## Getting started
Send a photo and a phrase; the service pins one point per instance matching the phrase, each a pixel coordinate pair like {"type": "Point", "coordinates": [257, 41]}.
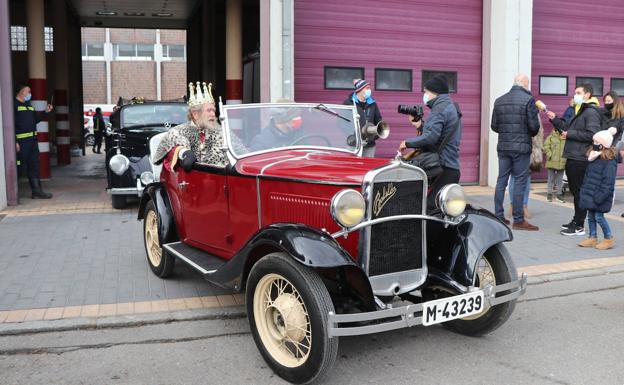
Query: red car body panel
{"type": "Point", "coordinates": [219, 214]}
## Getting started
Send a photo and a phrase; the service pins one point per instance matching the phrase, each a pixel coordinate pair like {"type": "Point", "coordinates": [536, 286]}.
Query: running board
{"type": "Point", "coordinates": [201, 261]}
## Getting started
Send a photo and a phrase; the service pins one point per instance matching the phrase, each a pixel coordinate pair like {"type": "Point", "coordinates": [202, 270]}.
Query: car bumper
{"type": "Point", "coordinates": [410, 315]}
{"type": "Point", "coordinates": [138, 190]}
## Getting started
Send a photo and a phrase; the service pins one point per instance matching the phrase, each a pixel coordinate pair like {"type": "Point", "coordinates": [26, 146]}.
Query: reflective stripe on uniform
{"type": "Point", "coordinates": [26, 135]}
{"type": "Point", "coordinates": [25, 108]}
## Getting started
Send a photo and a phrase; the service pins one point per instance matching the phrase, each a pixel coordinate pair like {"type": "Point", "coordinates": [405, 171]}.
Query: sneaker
{"type": "Point", "coordinates": [568, 225]}
{"type": "Point", "coordinates": [525, 226]}
{"type": "Point", "coordinates": [575, 230]}
{"type": "Point", "coordinates": [560, 199]}
{"type": "Point", "coordinates": [549, 197]}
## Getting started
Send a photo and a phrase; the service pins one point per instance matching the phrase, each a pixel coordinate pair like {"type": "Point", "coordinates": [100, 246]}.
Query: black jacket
{"type": "Point", "coordinates": [26, 119]}
{"type": "Point", "coordinates": [99, 125]}
{"type": "Point", "coordinates": [515, 120]}
{"type": "Point", "coordinates": [368, 111]}
{"type": "Point", "coordinates": [581, 130]}
{"type": "Point", "coordinates": [608, 121]}
{"type": "Point", "coordinates": [272, 137]}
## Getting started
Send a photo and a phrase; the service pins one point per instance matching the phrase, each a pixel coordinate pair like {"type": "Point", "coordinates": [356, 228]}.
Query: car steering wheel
{"type": "Point", "coordinates": [296, 141]}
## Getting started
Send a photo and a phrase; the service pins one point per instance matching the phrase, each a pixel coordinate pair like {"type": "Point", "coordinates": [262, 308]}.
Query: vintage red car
{"type": "Point", "coordinates": [324, 242]}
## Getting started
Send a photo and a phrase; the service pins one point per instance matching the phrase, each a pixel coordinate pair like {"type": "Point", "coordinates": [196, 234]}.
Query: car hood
{"type": "Point", "coordinates": [310, 165]}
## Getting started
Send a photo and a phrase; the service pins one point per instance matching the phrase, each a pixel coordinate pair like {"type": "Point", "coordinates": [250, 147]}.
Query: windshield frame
{"type": "Point", "coordinates": [123, 126]}
{"type": "Point", "coordinates": [235, 157]}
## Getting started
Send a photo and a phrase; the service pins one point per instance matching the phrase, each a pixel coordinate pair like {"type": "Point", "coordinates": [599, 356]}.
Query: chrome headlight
{"type": "Point", "coordinates": [451, 200]}
{"type": "Point", "coordinates": [147, 177]}
{"type": "Point", "coordinates": [119, 164]}
{"type": "Point", "coordinates": [348, 208]}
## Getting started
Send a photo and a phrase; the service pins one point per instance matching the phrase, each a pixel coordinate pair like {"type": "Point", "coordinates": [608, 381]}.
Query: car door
{"type": "Point", "coordinates": [204, 202]}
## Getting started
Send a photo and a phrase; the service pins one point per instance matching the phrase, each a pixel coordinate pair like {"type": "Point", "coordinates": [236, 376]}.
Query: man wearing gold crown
{"type": "Point", "coordinates": [198, 140]}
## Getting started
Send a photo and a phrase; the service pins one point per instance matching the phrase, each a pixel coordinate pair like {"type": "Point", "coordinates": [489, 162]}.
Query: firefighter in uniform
{"type": "Point", "coordinates": [26, 120]}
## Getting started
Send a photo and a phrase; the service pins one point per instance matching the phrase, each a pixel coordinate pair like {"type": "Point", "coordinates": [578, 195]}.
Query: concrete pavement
{"type": "Point", "coordinates": [75, 259]}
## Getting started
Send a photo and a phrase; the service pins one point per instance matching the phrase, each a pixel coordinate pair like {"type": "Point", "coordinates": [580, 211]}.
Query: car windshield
{"type": "Point", "coordinates": [150, 115]}
{"type": "Point", "coordinates": [262, 127]}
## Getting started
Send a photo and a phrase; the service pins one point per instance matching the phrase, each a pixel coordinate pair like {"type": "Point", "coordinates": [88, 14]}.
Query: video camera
{"type": "Point", "coordinates": [414, 111]}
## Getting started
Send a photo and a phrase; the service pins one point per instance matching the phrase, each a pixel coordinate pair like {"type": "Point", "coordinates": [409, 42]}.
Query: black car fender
{"type": "Point", "coordinates": [166, 224]}
{"type": "Point", "coordinates": [308, 246]}
{"type": "Point", "coordinates": [454, 251]}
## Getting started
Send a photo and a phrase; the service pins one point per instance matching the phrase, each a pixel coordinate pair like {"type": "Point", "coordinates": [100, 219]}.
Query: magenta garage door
{"type": "Point", "coordinates": [575, 41]}
{"type": "Point", "coordinates": [393, 44]}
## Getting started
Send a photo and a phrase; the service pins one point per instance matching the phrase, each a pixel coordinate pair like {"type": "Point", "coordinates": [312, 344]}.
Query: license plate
{"type": "Point", "coordinates": [460, 306]}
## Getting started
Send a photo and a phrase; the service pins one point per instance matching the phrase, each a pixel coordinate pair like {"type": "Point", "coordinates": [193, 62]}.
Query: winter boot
{"type": "Point", "coordinates": [37, 191]}
{"type": "Point", "coordinates": [606, 244]}
{"type": "Point", "coordinates": [589, 242]}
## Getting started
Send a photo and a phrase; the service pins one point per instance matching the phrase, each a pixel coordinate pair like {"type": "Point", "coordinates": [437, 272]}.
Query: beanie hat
{"type": "Point", "coordinates": [437, 84]}
{"type": "Point", "coordinates": [360, 84]}
{"type": "Point", "coordinates": [605, 137]}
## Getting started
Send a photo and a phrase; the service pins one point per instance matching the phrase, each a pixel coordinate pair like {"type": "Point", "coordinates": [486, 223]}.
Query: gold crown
{"type": "Point", "coordinates": [197, 96]}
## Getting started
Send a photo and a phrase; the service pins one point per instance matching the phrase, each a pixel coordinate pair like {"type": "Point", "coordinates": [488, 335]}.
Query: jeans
{"type": "Point", "coordinates": [594, 217]}
{"type": "Point", "coordinates": [555, 179]}
{"type": "Point", "coordinates": [518, 166]}
{"type": "Point", "coordinates": [525, 194]}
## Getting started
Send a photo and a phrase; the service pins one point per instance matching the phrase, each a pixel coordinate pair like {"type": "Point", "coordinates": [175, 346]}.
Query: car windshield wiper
{"type": "Point", "coordinates": [324, 108]}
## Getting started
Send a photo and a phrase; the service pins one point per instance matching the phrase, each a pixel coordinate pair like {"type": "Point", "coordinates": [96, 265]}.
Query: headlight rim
{"type": "Point", "coordinates": [151, 175]}
{"type": "Point", "coordinates": [124, 168]}
{"type": "Point", "coordinates": [333, 207]}
{"type": "Point", "coordinates": [442, 199]}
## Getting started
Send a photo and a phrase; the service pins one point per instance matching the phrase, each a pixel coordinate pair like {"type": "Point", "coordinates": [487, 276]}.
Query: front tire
{"type": "Point", "coordinates": [119, 201]}
{"type": "Point", "coordinates": [495, 267]}
{"type": "Point", "coordinates": [159, 260]}
{"type": "Point", "coordinates": [287, 309]}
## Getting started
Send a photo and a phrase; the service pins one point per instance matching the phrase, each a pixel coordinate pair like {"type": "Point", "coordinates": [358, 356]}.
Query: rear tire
{"type": "Point", "coordinates": [287, 309]}
{"type": "Point", "coordinates": [119, 201]}
{"type": "Point", "coordinates": [89, 140]}
{"type": "Point", "coordinates": [495, 267]}
{"type": "Point", "coordinates": [159, 260]}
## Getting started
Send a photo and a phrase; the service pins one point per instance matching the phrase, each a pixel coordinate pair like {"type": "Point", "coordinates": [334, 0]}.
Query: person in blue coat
{"type": "Point", "coordinates": [598, 188]}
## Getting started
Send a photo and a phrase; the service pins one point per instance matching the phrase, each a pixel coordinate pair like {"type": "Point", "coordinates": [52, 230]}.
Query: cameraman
{"type": "Point", "coordinates": [444, 119]}
{"type": "Point", "coordinates": [366, 108]}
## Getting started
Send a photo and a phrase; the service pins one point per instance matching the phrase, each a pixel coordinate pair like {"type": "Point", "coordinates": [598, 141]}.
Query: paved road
{"type": "Point", "coordinates": [567, 331]}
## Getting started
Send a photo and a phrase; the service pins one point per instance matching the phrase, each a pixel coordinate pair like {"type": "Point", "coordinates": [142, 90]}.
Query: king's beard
{"type": "Point", "coordinates": [207, 124]}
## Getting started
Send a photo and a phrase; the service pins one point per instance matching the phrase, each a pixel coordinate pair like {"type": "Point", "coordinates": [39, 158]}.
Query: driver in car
{"type": "Point", "coordinates": [283, 130]}
{"type": "Point", "coordinates": [198, 140]}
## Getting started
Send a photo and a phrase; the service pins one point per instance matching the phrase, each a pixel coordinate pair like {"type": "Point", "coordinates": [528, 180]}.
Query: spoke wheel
{"type": "Point", "coordinates": [287, 308]}
{"type": "Point", "coordinates": [495, 267]}
{"type": "Point", "coordinates": [282, 320]}
{"type": "Point", "coordinates": [152, 244]}
{"type": "Point", "coordinates": [158, 259]}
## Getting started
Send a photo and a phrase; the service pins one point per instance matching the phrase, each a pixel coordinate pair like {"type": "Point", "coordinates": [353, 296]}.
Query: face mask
{"type": "Point", "coordinates": [27, 97]}
{"type": "Point", "coordinates": [367, 93]}
{"type": "Point", "coordinates": [425, 99]}
{"type": "Point", "coordinates": [609, 106]}
{"type": "Point", "coordinates": [578, 99]}
{"type": "Point", "coordinates": [597, 147]}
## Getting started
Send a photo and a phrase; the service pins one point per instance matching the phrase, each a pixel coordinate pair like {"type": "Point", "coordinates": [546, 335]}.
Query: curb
{"type": "Point", "coordinates": [127, 321]}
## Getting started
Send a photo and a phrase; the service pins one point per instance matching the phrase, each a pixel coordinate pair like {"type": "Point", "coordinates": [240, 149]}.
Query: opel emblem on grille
{"type": "Point", "coordinates": [382, 197]}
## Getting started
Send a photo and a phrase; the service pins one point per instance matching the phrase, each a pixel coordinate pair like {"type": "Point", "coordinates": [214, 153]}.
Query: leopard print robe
{"type": "Point", "coordinates": [187, 135]}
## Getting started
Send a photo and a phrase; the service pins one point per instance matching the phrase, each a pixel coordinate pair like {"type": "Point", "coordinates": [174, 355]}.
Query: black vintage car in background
{"type": "Point", "coordinates": [128, 166]}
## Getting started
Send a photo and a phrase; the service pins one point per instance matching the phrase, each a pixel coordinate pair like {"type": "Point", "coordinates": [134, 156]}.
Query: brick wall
{"type": "Point", "coordinates": [173, 76]}
{"type": "Point", "coordinates": [172, 36]}
{"type": "Point", "coordinates": [139, 36]}
{"type": "Point", "coordinates": [133, 78]}
{"type": "Point", "coordinates": [94, 82]}
{"type": "Point", "coordinates": [93, 35]}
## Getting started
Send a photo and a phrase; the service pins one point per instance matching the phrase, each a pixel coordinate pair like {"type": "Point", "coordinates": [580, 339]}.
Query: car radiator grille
{"type": "Point", "coordinates": [396, 245]}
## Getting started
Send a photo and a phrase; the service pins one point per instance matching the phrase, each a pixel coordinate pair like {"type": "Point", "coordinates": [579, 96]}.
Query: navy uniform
{"type": "Point", "coordinates": [26, 120]}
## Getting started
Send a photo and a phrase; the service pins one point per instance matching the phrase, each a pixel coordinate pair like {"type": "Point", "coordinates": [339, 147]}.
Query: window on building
{"type": "Point", "coordinates": [341, 78]}
{"type": "Point", "coordinates": [553, 85]}
{"type": "Point", "coordinates": [48, 38]}
{"type": "Point", "coordinates": [388, 79]}
{"type": "Point", "coordinates": [617, 85]}
{"type": "Point", "coordinates": [19, 38]}
{"type": "Point", "coordinates": [124, 50]}
{"type": "Point", "coordinates": [93, 51]}
{"type": "Point", "coordinates": [596, 83]}
{"type": "Point", "coordinates": [145, 51]}
{"type": "Point", "coordinates": [174, 51]}
{"type": "Point", "coordinates": [451, 78]}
